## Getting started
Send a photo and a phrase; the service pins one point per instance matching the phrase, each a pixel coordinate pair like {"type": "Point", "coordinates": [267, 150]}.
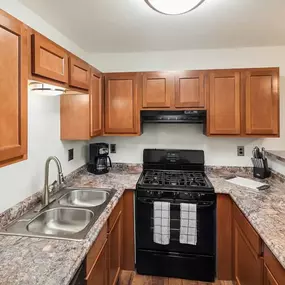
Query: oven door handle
{"type": "Point", "coordinates": [145, 201]}
{"type": "Point", "coordinates": [199, 206]}
{"type": "Point", "coordinates": [208, 205]}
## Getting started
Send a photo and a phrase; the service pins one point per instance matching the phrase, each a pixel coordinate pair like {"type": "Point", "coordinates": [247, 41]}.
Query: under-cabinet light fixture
{"type": "Point", "coordinates": [46, 89]}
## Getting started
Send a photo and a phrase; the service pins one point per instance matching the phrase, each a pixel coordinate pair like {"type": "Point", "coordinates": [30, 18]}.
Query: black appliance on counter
{"type": "Point", "coordinates": [99, 160]}
{"type": "Point", "coordinates": [175, 176]}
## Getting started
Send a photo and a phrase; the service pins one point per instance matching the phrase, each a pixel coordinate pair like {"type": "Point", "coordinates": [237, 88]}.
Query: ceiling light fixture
{"type": "Point", "coordinates": [174, 7]}
{"type": "Point", "coordinates": [46, 89]}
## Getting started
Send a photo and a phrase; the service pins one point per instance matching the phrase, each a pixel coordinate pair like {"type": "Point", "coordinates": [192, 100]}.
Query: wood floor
{"type": "Point", "coordinates": [131, 278]}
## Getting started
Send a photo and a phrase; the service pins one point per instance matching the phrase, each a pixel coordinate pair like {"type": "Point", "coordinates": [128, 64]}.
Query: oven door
{"type": "Point", "coordinates": [206, 212]}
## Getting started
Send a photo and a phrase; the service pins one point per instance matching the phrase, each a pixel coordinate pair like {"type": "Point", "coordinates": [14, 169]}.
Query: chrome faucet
{"type": "Point", "coordinates": [46, 192]}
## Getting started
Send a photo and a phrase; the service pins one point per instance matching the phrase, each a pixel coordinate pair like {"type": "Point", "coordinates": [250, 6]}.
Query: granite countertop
{"type": "Point", "coordinates": [276, 154]}
{"type": "Point", "coordinates": [265, 210]}
{"type": "Point", "coordinates": [38, 261]}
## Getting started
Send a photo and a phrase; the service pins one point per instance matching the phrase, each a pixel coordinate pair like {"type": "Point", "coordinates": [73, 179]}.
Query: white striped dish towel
{"type": "Point", "coordinates": [188, 224]}
{"type": "Point", "coordinates": [161, 218]}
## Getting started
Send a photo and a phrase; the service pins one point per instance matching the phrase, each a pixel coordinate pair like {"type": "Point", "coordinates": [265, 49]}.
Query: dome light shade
{"type": "Point", "coordinates": [174, 7]}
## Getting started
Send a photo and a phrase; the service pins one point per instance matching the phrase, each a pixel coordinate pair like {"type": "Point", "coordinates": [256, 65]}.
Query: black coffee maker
{"type": "Point", "coordinates": [99, 160]}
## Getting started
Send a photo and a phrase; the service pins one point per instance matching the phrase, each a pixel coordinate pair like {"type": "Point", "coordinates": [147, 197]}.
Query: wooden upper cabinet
{"type": "Point", "coordinates": [96, 104]}
{"type": "Point", "coordinates": [224, 95]}
{"type": "Point", "coordinates": [48, 59]}
{"type": "Point", "coordinates": [79, 73]}
{"type": "Point", "coordinates": [262, 101]}
{"type": "Point", "coordinates": [189, 90]}
{"type": "Point", "coordinates": [13, 89]}
{"type": "Point", "coordinates": [121, 104]}
{"type": "Point", "coordinates": [157, 89]}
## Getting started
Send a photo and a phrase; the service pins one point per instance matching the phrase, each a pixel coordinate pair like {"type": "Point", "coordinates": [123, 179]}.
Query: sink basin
{"type": "Point", "coordinates": [60, 221]}
{"type": "Point", "coordinates": [84, 198]}
{"type": "Point", "coordinates": [70, 216]}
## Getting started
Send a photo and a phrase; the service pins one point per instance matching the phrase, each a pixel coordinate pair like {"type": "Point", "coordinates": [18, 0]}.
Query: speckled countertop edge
{"type": "Point", "coordinates": [276, 154]}
{"type": "Point", "coordinates": [53, 262]}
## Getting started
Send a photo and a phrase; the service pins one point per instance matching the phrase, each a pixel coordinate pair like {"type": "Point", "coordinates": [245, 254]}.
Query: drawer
{"type": "Point", "coordinates": [276, 269]}
{"type": "Point", "coordinates": [250, 233]}
{"type": "Point", "coordinates": [96, 248]}
{"type": "Point", "coordinates": [115, 214]}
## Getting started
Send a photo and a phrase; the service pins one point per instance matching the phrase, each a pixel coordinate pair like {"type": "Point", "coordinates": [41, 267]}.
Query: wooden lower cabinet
{"type": "Point", "coordinates": [241, 254]}
{"type": "Point", "coordinates": [224, 237]}
{"type": "Point", "coordinates": [268, 277]}
{"type": "Point", "coordinates": [248, 265]}
{"type": "Point", "coordinates": [99, 273]}
{"type": "Point", "coordinates": [115, 249]}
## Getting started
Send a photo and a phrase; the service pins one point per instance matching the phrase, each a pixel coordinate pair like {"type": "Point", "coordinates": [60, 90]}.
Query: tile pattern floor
{"type": "Point", "coordinates": [131, 278]}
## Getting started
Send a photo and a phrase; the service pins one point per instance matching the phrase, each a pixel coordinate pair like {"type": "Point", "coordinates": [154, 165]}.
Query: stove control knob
{"type": "Point", "coordinates": [159, 194]}
{"type": "Point", "coordinates": [150, 193]}
{"type": "Point", "coordinates": [177, 194]}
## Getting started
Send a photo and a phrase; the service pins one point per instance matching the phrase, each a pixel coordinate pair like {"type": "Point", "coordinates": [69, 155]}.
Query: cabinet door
{"type": "Point", "coordinates": [224, 103]}
{"type": "Point", "coordinates": [79, 73]}
{"type": "Point", "coordinates": [158, 89]}
{"type": "Point", "coordinates": [96, 104]}
{"type": "Point", "coordinates": [99, 272]}
{"type": "Point", "coordinates": [115, 243]}
{"type": "Point", "coordinates": [268, 277]}
{"type": "Point", "coordinates": [121, 107]}
{"type": "Point", "coordinates": [248, 269]}
{"type": "Point", "coordinates": [224, 237]}
{"type": "Point", "coordinates": [13, 89]}
{"type": "Point", "coordinates": [262, 102]}
{"type": "Point", "coordinates": [48, 59]}
{"type": "Point", "coordinates": [189, 90]}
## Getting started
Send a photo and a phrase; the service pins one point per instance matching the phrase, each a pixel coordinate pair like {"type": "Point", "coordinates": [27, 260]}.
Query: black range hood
{"type": "Point", "coordinates": [189, 117]}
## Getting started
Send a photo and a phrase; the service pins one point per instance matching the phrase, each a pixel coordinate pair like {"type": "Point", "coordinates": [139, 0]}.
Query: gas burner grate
{"type": "Point", "coordinates": [174, 178]}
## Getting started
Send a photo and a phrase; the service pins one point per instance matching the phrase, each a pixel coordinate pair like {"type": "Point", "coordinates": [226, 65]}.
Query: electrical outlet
{"type": "Point", "coordinates": [113, 148]}
{"type": "Point", "coordinates": [70, 154]}
{"type": "Point", "coordinates": [240, 150]}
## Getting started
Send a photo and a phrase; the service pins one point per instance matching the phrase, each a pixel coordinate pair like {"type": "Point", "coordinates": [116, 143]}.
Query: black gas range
{"type": "Point", "coordinates": [175, 177]}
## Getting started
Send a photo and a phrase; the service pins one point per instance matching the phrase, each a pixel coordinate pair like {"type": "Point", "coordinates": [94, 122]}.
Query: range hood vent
{"type": "Point", "coordinates": [189, 117]}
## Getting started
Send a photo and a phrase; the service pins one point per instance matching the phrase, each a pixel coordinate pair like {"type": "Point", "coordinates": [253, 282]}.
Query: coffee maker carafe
{"type": "Point", "coordinates": [99, 160]}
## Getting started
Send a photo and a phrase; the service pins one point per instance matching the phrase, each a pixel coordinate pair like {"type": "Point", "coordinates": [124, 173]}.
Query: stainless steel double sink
{"type": "Point", "coordinates": [70, 215]}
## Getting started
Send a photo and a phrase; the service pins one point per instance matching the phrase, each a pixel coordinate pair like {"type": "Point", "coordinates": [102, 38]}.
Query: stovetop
{"type": "Point", "coordinates": [172, 179]}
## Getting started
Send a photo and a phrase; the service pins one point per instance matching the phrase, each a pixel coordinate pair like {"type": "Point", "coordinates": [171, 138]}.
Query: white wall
{"type": "Point", "coordinates": [190, 59]}
{"type": "Point", "coordinates": [21, 12]}
{"type": "Point", "coordinates": [18, 181]}
{"type": "Point", "coordinates": [218, 151]}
